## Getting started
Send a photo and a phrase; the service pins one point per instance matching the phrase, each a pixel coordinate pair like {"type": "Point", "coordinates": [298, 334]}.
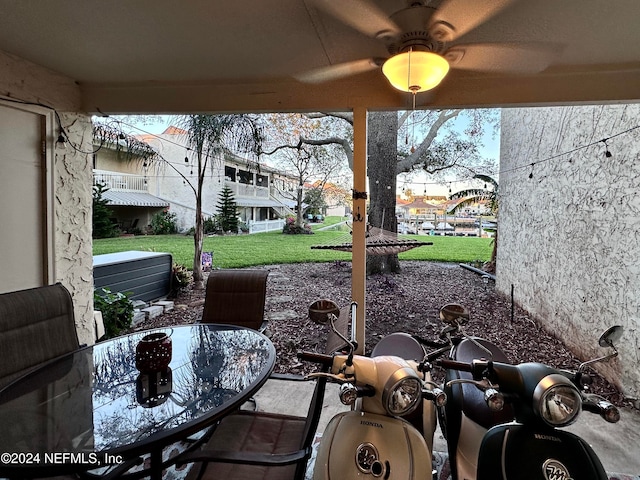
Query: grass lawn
{"type": "Point", "coordinates": [236, 251]}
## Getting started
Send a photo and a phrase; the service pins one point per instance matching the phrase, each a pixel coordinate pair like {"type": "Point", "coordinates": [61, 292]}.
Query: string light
{"type": "Point", "coordinates": [573, 150]}
{"type": "Point", "coordinates": [61, 143]}
{"type": "Point", "coordinates": [608, 154]}
{"type": "Point", "coordinates": [63, 139]}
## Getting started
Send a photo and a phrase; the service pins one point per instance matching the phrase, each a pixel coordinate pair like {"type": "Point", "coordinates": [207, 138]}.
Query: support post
{"type": "Point", "coordinates": [358, 245]}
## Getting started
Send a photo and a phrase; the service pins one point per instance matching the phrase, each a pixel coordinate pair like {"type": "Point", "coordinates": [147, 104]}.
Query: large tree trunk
{"type": "Point", "coordinates": [382, 146]}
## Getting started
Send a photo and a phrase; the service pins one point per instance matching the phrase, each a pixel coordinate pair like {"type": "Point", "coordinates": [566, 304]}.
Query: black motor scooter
{"type": "Point", "coordinates": [502, 421]}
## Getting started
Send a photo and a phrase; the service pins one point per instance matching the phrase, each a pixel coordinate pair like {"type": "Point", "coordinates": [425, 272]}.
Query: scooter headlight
{"type": "Point", "coordinates": [557, 401]}
{"type": "Point", "coordinates": [402, 393]}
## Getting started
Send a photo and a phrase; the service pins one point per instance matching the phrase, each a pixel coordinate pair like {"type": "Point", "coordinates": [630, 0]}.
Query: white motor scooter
{"type": "Point", "coordinates": [372, 439]}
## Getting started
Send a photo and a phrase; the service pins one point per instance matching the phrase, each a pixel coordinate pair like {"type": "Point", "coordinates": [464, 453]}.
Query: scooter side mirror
{"type": "Point", "coordinates": [454, 313]}
{"type": "Point", "coordinates": [607, 339]}
{"type": "Point", "coordinates": [611, 336]}
{"type": "Point", "coordinates": [321, 311]}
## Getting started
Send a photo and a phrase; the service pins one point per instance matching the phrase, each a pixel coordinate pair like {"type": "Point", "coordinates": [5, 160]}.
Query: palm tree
{"type": "Point", "coordinates": [474, 195]}
{"type": "Point", "coordinates": [208, 136]}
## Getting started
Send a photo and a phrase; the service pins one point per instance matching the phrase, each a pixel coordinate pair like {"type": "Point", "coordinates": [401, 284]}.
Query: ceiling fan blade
{"type": "Point", "coordinates": [363, 15]}
{"type": "Point", "coordinates": [502, 57]}
{"type": "Point", "coordinates": [455, 18]}
{"type": "Point", "coordinates": [339, 70]}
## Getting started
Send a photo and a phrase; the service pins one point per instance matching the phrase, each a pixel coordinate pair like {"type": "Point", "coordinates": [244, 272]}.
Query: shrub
{"type": "Point", "coordinates": [164, 223]}
{"type": "Point", "coordinates": [181, 277]}
{"type": "Point", "coordinates": [212, 225]}
{"type": "Point", "coordinates": [291, 228]}
{"type": "Point", "coordinates": [116, 308]}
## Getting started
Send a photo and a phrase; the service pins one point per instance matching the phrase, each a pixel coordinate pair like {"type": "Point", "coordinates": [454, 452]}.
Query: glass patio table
{"type": "Point", "coordinates": [93, 407]}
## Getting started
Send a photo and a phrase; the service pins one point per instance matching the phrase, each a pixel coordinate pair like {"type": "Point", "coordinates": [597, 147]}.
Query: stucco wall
{"type": "Point", "coordinates": [569, 226]}
{"type": "Point", "coordinates": [73, 177]}
{"type": "Point", "coordinates": [69, 174]}
{"type": "Point", "coordinates": [167, 184]}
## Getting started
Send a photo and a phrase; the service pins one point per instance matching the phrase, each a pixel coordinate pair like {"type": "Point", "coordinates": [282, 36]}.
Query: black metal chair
{"type": "Point", "coordinates": [249, 444]}
{"type": "Point", "coordinates": [36, 325]}
{"type": "Point", "coordinates": [236, 297]}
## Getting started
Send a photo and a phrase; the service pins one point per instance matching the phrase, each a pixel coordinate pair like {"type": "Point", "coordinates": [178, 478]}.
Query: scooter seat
{"type": "Point", "coordinates": [468, 396]}
{"type": "Point", "coordinates": [401, 345]}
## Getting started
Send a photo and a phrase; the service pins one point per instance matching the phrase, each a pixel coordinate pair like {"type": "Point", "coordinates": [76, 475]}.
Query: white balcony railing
{"type": "Point", "coordinates": [120, 181]}
{"type": "Point", "coordinates": [248, 191]}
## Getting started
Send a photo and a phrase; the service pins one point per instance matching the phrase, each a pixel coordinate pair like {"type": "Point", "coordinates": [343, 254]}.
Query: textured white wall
{"type": "Point", "coordinates": [73, 177]}
{"type": "Point", "coordinates": [569, 235]}
{"type": "Point", "coordinates": [70, 174]}
{"type": "Point", "coordinates": [166, 183]}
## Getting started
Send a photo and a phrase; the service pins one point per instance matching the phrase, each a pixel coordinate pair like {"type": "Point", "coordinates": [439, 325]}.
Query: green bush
{"type": "Point", "coordinates": [291, 228]}
{"type": "Point", "coordinates": [212, 225]}
{"type": "Point", "coordinates": [164, 223]}
{"type": "Point", "coordinates": [181, 277]}
{"type": "Point", "coordinates": [116, 308]}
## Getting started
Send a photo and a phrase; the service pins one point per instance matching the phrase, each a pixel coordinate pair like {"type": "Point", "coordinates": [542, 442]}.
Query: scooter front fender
{"type": "Point", "coordinates": [358, 444]}
{"type": "Point", "coordinates": [515, 451]}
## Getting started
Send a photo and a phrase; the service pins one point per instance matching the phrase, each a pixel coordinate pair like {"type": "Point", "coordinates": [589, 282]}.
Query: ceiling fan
{"type": "Point", "coordinates": [422, 41]}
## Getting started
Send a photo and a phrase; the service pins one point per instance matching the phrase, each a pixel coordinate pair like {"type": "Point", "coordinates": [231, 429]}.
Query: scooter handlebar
{"type": "Point", "coordinates": [596, 404]}
{"type": "Point", "coordinates": [321, 358]}
{"type": "Point", "coordinates": [455, 365]}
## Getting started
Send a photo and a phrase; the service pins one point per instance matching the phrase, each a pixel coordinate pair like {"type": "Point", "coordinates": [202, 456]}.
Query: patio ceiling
{"type": "Point", "coordinates": [213, 55]}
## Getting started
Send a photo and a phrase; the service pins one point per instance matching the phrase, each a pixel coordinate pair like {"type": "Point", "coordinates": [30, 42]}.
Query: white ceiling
{"type": "Point", "coordinates": [214, 55]}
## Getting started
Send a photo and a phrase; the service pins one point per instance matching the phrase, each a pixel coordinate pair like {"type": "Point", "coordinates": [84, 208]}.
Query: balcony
{"type": "Point", "coordinates": [127, 190]}
{"type": "Point", "coordinates": [247, 191]}
{"type": "Point", "coordinates": [120, 181]}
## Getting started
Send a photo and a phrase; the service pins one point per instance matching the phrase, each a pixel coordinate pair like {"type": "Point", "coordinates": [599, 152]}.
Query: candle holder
{"type": "Point", "coordinates": [153, 352]}
{"type": "Point", "coordinates": [154, 388]}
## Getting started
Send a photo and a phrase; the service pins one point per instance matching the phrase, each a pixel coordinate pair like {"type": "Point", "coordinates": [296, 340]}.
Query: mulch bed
{"type": "Point", "coordinates": [407, 302]}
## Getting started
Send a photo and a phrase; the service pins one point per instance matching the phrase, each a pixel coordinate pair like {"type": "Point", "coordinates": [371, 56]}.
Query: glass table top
{"type": "Point", "coordinates": [96, 400]}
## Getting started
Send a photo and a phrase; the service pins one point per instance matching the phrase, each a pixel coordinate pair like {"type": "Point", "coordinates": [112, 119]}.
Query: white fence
{"type": "Point", "coordinates": [265, 225]}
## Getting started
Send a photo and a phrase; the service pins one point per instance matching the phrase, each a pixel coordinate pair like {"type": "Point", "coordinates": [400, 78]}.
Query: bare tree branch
{"type": "Point", "coordinates": [407, 163]}
{"type": "Point", "coordinates": [346, 116]}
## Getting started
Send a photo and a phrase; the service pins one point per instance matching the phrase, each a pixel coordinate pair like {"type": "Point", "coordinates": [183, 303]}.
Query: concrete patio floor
{"type": "Point", "coordinates": [617, 445]}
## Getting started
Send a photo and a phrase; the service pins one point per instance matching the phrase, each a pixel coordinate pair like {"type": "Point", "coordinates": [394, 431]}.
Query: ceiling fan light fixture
{"type": "Point", "coordinates": [415, 70]}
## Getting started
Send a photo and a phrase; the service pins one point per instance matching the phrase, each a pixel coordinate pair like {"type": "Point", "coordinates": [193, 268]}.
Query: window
{"type": "Point", "coordinates": [262, 180]}
{"type": "Point", "coordinates": [245, 177]}
{"type": "Point", "coordinates": [229, 173]}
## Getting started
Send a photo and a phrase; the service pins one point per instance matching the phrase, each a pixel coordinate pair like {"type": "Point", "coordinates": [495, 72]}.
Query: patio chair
{"type": "Point", "coordinates": [36, 325]}
{"type": "Point", "coordinates": [236, 297]}
{"type": "Point", "coordinates": [249, 444]}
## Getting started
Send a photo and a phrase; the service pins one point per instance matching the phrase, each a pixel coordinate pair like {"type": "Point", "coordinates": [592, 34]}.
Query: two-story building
{"type": "Point", "coordinates": [118, 161]}
{"type": "Point", "coordinates": [148, 173]}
